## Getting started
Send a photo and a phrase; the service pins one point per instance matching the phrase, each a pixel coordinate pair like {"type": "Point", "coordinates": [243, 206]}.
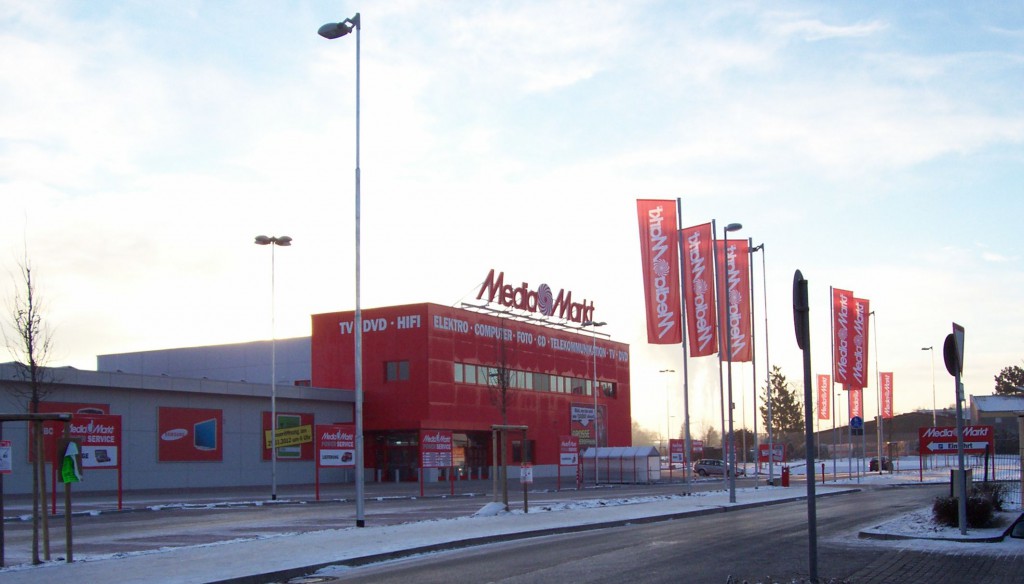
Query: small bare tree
{"type": "Point", "coordinates": [30, 343]}
{"type": "Point", "coordinates": [499, 382]}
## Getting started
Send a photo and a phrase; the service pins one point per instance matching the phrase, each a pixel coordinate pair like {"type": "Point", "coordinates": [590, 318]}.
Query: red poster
{"type": "Point", "coordinates": [660, 256]}
{"type": "Point", "coordinates": [886, 386]}
{"type": "Point", "coordinates": [335, 445]}
{"type": "Point", "coordinates": [856, 402]}
{"type": "Point", "coordinates": [435, 448]}
{"type": "Point", "coordinates": [734, 290]}
{"type": "Point", "coordinates": [698, 276]}
{"type": "Point", "coordinates": [859, 369]}
{"type": "Point", "coordinates": [288, 420]}
{"type": "Point", "coordinates": [824, 397]}
{"type": "Point", "coordinates": [778, 456]}
{"type": "Point", "coordinates": [52, 430]}
{"type": "Point", "coordinates": [190, 435]}
{"type": "Point", "coordinates": [568, 451]}
{"type": "Point", "coordinates": [842, 325]}
{"type": "Point", "coordinates": [696, 449]}
{"type": "Point", "coordinates": [676, 450]}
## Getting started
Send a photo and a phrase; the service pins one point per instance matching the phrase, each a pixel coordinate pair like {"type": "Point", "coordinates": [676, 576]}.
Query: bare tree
{"type": "Point", "coordinates": [499, 382]}
{"type": "Point", "coordinates": [30, 343]}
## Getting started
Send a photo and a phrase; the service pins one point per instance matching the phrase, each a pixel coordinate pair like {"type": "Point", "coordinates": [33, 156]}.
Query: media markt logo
{"type": "Point", "coordinates": [542, 300]}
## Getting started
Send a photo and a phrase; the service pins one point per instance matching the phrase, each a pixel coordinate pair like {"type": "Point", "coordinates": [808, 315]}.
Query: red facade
{"type": "Point", "coordinates": [433, 367]}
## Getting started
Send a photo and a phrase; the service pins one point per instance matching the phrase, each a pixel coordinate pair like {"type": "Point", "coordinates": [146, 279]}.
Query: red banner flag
{"type": "Point", "coordinates": [698, 291]}
{"type": "Point", "coordinates": [856, 402]}
{"type": "Point", "coordinates": [658, 232]}
{"type": "Point", "coordinates": [842, 315]}
{"type": "Point", "coordinates": [824, 397]}
{"type": "Point", "coordinates": [734, 282]}
{"type": "Point", "coordinates": [886, 385]}
{"type": "Point", "coordinates": [859, 370]}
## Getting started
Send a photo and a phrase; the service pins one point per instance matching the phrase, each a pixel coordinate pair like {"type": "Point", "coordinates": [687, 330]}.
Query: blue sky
{"type": "Point", "coordinates": [876, 147]}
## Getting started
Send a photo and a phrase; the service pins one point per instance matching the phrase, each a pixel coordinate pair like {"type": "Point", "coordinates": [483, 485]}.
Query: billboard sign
{"type": "Point", "coordinates": [942, 440]}
{"type": "Point", "coordinates": [435, 448]}
{"type": "Point", "coordinates": [335, 445]}
{"type": "Point", "coordinates": [779, 454]}
{"type": "Point", "coordinates": [190, 435]}
{"type": "Point", "coordinates": [568, 451]}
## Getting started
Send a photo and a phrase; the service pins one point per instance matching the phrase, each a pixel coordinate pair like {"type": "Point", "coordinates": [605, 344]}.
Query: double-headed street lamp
{"type": "Point", "coordinates": [731, 464]}
{"type": "Point", "coordinates": [333, 30]}
{"type": "Point", "coordinates": [593, 388]}
{"type": "Point", "coordinates": [283, 241]}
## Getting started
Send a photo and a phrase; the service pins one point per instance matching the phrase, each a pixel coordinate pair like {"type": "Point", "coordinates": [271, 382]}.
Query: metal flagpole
{"type": "Point", "coordinates": [721, 380]}
{"type": "Point", "coordinates": [687, 464]}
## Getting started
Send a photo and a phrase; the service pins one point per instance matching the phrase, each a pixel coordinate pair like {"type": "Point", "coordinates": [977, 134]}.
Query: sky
{"type": "Point", "coordinates": [876, 147]}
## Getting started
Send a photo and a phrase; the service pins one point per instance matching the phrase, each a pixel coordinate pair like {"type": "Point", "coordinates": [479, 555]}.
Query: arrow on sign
{"type": "Point", "coordinates": [944, 446]}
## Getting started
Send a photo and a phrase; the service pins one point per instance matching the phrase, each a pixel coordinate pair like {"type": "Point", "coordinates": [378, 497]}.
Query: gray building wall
{"type": "Point", "coordinates": [248, 362]}
{"type": "Point", "coordinates": [136, 398]}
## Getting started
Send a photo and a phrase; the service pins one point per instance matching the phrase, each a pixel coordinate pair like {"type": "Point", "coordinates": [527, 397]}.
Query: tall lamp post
{"type": "Point", "coordinates": [934, 417]}
{"type": "Point", "coordinates": [330, 31]}
{"type": "Point", "coordinates": [731, 469]}
{"type": "Point", "coordinates": [283, 241]}
{"type": "Point", "coordinates": [597, 427]}
{"type": "Point", "coordinates": [767, 369]}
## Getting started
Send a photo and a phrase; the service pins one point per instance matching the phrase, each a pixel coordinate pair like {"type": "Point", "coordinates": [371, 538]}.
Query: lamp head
{"type": "Point", "coordinates": [926, 348]}
{"type": "Point", "coordinates": [334, 30]}
{"type": "Point", "coordinates": [592, 323]}
{"type": "Point", "coordinates": [733, 227]}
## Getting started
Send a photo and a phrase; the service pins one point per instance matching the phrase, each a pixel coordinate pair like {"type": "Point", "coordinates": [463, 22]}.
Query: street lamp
{"type": "Point", "coordinates": [283, 241]}
{"type": "Point", "coordinates": [597, 432]}
{"type": "Point", "coordinates": [934, 417]}
{"type": "Point", "coordinates": [333, 30]}
{"type": "Point", "coordinates": [767, 371]}
{"type": "Point", "coordinates": [731, 469]}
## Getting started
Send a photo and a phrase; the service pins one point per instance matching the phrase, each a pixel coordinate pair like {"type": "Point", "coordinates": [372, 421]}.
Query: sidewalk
{"type": "Point", "coordinates": [287, 556]}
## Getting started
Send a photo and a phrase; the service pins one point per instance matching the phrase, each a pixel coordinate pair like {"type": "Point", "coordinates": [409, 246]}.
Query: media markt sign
{"type": "Point", "coordinates": [541, 300]}
{"type": "Point", "coordinates": [942, 440]}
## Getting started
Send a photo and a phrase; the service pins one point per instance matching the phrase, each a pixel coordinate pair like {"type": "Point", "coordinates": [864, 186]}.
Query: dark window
{"type": "Point", "coordinates": [396, 371]}
{"type": "Point", "coordinates": [517, 451]}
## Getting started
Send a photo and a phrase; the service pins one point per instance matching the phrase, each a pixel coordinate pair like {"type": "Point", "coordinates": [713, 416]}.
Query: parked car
{"type": "Point", "coordinates": [710, 466]}
{"type": "Point", "coordinates": [886, 464]}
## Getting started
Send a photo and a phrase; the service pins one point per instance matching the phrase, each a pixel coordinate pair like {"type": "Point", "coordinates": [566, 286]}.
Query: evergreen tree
{"type": "Point", "coordinates": [1009, 379]}
{"type": "Point", "coordinates": [787, 409]}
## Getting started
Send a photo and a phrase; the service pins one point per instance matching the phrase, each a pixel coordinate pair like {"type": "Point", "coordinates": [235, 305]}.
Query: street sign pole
{"type": "Point", "coordinates": [953, 355]}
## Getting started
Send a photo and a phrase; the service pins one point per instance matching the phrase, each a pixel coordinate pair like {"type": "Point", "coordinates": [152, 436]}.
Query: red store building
{"type": "Point", "coordinates": [433, 367]}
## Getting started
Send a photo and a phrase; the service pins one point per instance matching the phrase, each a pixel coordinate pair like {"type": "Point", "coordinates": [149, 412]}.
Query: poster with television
{"type": "Point", "coordinates": [190, 435]}
{"type": "Point", "coordinates": [292, 421]}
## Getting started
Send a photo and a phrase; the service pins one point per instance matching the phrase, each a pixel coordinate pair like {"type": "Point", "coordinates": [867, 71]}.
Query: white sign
{"type": "Point", "coordinates": [5, 457]}
{"type": "Point", "coordinates": [526, 473]}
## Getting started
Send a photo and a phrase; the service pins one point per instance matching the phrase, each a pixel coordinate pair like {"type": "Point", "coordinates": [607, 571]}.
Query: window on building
{"type": "Point", "coordinates": [482, 376]}
{"type": "Point", "coordinates": [517, 451]}
{"type": "Point", "coordinates": [577, 386]}
{"type": "Point", "coordinates": [541, 381]}
{"type": "Point", "coordinates": [396, 371]}
{"type": "Point", "coordinates": [470, 374]}
{"type": "Point", "coordinates": [608, 389]}
{"type": "Point", "coordinates": [459, 373]}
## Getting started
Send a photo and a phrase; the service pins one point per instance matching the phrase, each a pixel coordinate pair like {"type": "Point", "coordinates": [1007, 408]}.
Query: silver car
{"type": "Point", "coordinates": [710, 466]}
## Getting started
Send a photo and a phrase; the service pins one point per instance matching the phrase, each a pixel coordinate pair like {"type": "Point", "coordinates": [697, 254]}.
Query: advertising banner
{"type": "Point", "coordinates": [568, 451]}
{"type": "Point", "coordinates": [676, 451]}
{"type": "Point", "coordinates": [696, 449]}
{"type": "Point", "coordinates": [660, 262]}
{"type": "Point", "coordinates": [886, 387]}
{"type": "Point", "coordinates": [699, 290]}
{"type": "Point", "coordinates": [294, 436]}
{"type": "Point", "coordinates": [842, 322]}
{"type": "Point", "coordinates": [335, 445]}
{"type": "Point", "coordinates": [824, 397]}
{"type": "Point", "coordinates": [190, 435]}
{"type": "Point", "coordinates": [856, 402]}
{"type": "Point", "coordinates": [6, 464]}
{"type": "Point", "coordinates": [942, 440]}
{"type": "Point", "coordinates": [99, 437]}
{"type": "Point", "coordinates": [779, 454]}
{"type": "Point", "coordinates": [583, 426]}
{"type": "Point", "coordinates": [435, 448]}
{"type": "Point", "coordinates": [859, 370]}
{"type": "Point", "coordinates": [734, 290]}
{"type": "Point", "coordinates": [53, 430]}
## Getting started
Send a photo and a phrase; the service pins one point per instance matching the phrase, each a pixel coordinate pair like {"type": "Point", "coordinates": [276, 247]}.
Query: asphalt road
{"type": "Point", "coordinates": [767, 544]}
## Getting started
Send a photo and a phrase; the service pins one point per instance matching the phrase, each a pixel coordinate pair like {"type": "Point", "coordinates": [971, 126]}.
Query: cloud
{"type": "Point", "coordinates": [815, 30]}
